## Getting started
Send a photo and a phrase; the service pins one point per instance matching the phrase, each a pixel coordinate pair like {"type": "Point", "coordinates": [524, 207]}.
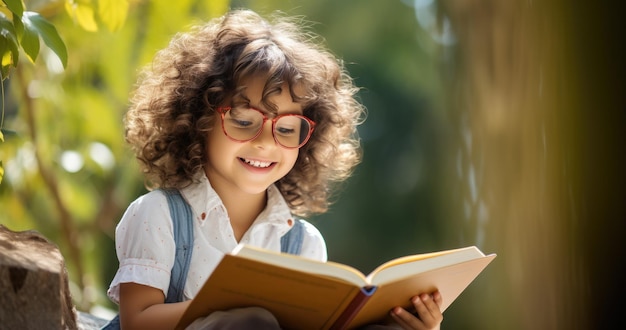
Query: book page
{"type": "Point", "coordinates": [451, 281]}
{"type": "Point", "coordinates": [289, 261]}
{"type": "Point", "coordinates": [295, 298]}
{"type": "Point", "coordinates": [411, 265]}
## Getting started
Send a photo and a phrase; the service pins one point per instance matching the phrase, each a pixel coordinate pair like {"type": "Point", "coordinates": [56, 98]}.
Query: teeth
{"type": "Point", "coordinates": [256, 163]}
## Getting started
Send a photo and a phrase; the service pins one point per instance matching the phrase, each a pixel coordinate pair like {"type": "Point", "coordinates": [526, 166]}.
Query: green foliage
{"type": "Point", "coordinates": [23, 30]}
{"type": "Point", "coordinates": [91, 14]}
{"type": "Point", "coordinates": [8, 45]}
{"type": "Point", "coordinates": [66, 170]}
{"type": "Point", "coordinates": [36, 26]}
{"type": "Point", "coordinates": [112, 13]}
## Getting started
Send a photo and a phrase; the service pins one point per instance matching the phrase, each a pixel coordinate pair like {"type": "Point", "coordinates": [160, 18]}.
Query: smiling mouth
{"type": "Point", "coordinates": [256, 163]}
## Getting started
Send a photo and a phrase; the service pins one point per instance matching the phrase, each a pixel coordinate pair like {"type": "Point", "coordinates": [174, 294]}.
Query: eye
{"type": "Point", "coordinates": [288, 125]}
{"type": "Point", "coordinates": [240, 122]}
{"type": "Point", "coordinates": [243, 118]}
{"type": "Point", "coordinates": [285, 131]}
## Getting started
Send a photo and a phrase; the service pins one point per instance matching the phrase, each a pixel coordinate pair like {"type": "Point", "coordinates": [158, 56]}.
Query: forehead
{"type": "Point", "coordinates": [254, 90]}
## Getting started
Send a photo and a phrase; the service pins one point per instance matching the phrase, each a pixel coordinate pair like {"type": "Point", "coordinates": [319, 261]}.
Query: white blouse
{"type": "Point", "coordinates": [145, 243]}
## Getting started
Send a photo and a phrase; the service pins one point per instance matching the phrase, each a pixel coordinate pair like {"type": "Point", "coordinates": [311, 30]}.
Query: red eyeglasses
{"type": "Point", "coordinates": [244, 124]}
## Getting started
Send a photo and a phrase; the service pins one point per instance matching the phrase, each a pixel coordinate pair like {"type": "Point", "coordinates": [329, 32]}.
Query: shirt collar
{"type": "Point", "coordinates": [277, 210]}
{"type": "Point", "coordinates": [202, 198]}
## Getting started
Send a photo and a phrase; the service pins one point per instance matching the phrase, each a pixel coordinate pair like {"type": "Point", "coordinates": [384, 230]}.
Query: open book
{"type": "Point", "coordinates": [308, 294]}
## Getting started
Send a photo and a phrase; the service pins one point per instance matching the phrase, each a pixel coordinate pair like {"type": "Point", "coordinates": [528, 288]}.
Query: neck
{"type": "Point", "coordinates": [242, 207]}
{"type": "Point", "coordinates": [242, 210]}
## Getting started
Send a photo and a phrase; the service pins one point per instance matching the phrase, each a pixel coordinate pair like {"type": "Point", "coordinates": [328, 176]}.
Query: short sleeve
{"type": "Point", "coordinates": [144, 244]}
{"type": "Point", "coordinates": [313, 244]}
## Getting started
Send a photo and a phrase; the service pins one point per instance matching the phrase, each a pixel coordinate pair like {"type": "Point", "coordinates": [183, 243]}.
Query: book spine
{"type": "Point", "coordinates": [353, 308]}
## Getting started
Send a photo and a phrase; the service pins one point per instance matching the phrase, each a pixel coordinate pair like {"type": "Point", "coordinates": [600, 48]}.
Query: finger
{"type": "Point", "coordinates": [421, 307]}
{"type": "Point", "coordinates": [438, 299]}
{"type": "Point", "coordinates": [405, 319]}
{"type": "Point", "coordinates": [427, 310]}
{"type": "Point", "coordinates": [433, 316]}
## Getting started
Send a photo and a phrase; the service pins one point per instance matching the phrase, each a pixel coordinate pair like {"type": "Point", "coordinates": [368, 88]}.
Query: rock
{"type": "Point", "coordinates": [33, 283]}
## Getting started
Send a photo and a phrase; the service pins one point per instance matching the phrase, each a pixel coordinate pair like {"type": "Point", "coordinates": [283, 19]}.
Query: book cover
{"type": "Point", "coordinates": [307, 294]}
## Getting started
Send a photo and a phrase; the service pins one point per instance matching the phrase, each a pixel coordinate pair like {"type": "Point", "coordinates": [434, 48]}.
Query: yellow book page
{"type": "Point", "coordinates": [289, 261]}
{"type": "Point", "coordinates": [410, 265]}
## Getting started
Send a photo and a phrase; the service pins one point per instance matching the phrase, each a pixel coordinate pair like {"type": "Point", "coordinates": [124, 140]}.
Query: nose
{"type": "Point", "coordinates": [266, 138]}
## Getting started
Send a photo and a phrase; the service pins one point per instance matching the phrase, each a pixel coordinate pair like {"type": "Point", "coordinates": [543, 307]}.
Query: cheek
{"type": "Point", "coordinates": [291, 156]}
{"type": "Point", "coordinates": [216, 143]}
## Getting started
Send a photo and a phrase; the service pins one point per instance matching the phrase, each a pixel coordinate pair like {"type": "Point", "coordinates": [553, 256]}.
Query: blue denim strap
{"type": "Point", "coordinates": [182, 221]}
{"type": "Point", "coordinates": [291, 242]}
{"type": "Point", "coordinates": [114, 324]}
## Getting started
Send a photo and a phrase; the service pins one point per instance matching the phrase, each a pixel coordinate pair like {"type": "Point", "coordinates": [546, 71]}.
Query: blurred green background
{"type": "Point", "coordinates": [491, 123]}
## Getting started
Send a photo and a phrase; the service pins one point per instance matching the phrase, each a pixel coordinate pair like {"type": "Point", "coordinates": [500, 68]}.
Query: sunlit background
{"type": "Point", "coordinates": [498, 124]}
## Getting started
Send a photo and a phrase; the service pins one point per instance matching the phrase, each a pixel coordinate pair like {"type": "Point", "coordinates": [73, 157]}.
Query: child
{"type": "Point", "coordinates": [251, 122]}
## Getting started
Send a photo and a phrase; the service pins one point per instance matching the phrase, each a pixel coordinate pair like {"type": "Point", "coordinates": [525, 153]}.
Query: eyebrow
{"type": "Point", "coordinates": [283, 112]}
{"type": "Point", "coordinates": [242, 97]}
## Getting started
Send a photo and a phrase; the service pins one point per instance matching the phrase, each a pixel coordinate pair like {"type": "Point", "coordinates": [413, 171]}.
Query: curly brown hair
{"type": "Point", "coordinates": [173, 105]}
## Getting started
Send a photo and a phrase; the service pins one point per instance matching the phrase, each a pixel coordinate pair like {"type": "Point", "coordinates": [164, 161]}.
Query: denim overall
{"type": "Point", "coordinates": [182, 220]}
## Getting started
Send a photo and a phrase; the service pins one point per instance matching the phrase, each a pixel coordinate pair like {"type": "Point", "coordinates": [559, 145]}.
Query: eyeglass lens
{"type": "Point", "coordinates": [244, 124]}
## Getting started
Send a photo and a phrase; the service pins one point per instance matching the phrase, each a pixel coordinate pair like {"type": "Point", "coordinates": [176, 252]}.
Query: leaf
{"type": "Point", "coordinates": [83, 14]}
{"type": "Point", "coordinates": [18, 25]}
{"type": "Point", "coordinates": [29, 39]}
{"type": "Point", "coordinates": [4, 70]}
{"type": "Point", "coordinates": [9, 51]}
{"type": "Point", "coordinates": [113, 13]}
{"type": "Point", "coordinates": [48, 33]}
{"type": "Point", "coordinates": [15, 6]}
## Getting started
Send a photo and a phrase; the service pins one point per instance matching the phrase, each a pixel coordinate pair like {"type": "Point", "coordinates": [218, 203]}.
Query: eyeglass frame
{"type": "Point", "coordinates": [223, 110]}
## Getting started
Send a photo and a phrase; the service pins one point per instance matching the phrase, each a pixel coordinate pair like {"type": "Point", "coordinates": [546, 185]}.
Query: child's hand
{"type": "Point", "coordinates": [428, 310]}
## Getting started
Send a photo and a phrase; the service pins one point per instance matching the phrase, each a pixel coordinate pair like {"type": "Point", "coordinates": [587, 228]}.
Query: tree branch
{"type": "Point", "coordinates": [68, 230]}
